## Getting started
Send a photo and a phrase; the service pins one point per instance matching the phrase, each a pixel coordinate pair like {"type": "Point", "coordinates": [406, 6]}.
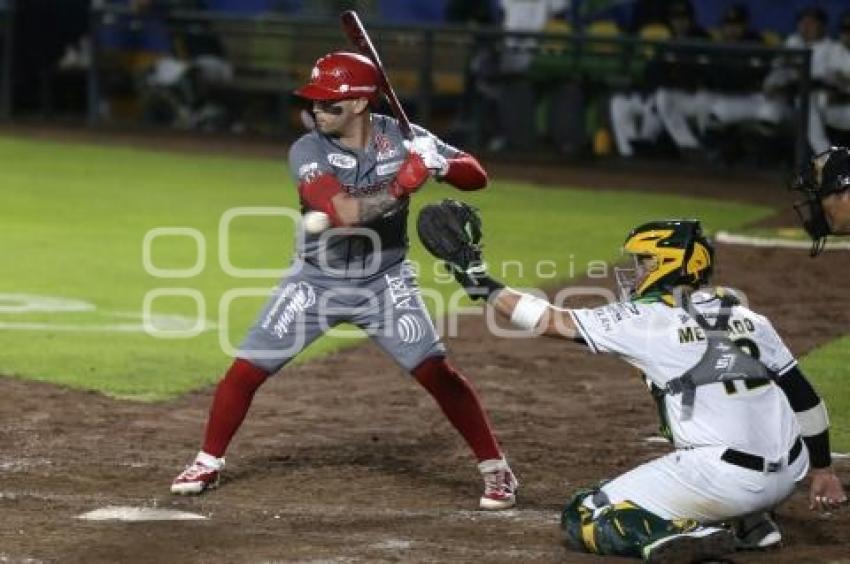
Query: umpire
{"type": "Point", "coordinates": [825, 184]}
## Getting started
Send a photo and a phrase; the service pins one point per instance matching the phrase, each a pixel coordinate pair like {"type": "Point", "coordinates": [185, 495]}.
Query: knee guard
{"type": "Point", "coordinates": [592, 524]}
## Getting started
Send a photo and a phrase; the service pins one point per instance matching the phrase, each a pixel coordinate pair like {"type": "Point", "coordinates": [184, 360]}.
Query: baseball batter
{"type": "Point", "coordinates": [825, 183]}
{"type": "Point", "coordinates": [357, 168]}
{"type": "Point", "coordinates": [745, 422]}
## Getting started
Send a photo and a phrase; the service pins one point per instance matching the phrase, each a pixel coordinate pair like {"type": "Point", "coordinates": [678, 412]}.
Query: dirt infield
{"type": "Point", "coordinates": [346, 460]}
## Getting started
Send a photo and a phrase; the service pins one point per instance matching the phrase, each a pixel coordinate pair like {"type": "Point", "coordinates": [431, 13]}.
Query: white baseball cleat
{"type": "Point", "coordinates": [500, 485]}
{"type": "Point", "coordinates": [202, 475]}
{"type": "Point", "coordinates": [705, 543]}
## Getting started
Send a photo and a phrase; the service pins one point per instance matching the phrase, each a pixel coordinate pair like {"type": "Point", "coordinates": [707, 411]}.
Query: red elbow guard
{"type": "Point", "coordinates": [466, 173]}
{"type": "Point", "coordinates": [318, 192]}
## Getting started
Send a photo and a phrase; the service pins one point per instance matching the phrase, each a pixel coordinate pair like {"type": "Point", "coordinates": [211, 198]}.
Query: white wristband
{"type": "Point", "coordinates": [528, 311]}
{"type": "Point", "coordinates": [813, 421]}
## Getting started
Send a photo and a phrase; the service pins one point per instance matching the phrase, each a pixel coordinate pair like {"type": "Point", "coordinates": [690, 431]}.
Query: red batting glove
{"type": "Point", "coordinates": [411, 176]}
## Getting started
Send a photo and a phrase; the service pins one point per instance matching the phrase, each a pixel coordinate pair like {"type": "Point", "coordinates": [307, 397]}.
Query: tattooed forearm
{"type": "Point", "coordinates": [370, 208]}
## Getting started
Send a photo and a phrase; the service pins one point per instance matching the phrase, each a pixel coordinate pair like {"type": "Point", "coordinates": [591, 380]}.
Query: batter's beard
{"type": "Point", "coordinates": [335, 132]}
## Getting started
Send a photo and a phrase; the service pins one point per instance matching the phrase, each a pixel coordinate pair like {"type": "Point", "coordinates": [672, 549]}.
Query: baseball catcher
{"type": "Point", "coordinates": [745, 423]}
{"type": "Point", "coordinates": [358, 169]}
{"type": "Point", "coordinates": [825, 185]}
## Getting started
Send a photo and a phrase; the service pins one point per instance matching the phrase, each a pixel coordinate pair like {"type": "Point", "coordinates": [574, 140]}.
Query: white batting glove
{"type": "Point", "coordinates": [426, 148]}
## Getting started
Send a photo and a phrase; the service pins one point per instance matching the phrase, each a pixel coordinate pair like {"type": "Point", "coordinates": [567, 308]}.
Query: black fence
{"type": "Point", "coordinates": [7, 11]}
{"type": "Point", "coordinates": [465, 84]}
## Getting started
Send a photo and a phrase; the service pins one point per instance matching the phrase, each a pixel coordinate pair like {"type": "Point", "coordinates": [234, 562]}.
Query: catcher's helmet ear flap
{"type": "Point", "coordinates": [683, 256]}
{"type": "Point", "coordinates": [826, 173]}
{"type": "Point", "coordinates": [700, 265]}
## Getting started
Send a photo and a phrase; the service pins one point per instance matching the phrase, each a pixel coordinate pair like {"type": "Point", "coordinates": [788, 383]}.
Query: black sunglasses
{"type": "Point", "coordinates": [328, 107]}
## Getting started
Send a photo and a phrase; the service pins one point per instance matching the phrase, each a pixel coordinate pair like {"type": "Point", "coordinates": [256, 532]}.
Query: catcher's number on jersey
{"type": "Point", "coordinates": [734, 386]}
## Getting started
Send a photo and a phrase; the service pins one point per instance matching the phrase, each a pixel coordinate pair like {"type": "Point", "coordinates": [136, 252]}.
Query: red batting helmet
{"type": "Point", "coordinates": [341, 75]}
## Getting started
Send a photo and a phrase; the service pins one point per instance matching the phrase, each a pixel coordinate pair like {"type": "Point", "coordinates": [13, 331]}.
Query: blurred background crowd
{"type": "Point", "coordinates": [718, 81]}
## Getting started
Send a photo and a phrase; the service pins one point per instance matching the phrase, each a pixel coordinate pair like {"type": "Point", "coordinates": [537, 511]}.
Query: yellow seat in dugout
{"type": "Point", "coordinates": [654, 32]}
{"type": "Point", "coordinates": [602, 29]}
{"type": "Point", "coordinates": [599, 56]}
{"type": "Point", "coordinates": [555, 46]}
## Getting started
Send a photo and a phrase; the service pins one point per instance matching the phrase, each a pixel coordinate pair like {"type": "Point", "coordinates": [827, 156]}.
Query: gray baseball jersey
{"type": "Point", "coordinates": [361, 173]}
{"type": "Point", "coordinates": [354, 276]}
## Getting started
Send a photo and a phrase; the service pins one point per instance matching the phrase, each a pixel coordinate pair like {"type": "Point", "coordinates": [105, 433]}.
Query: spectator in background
{"type": "Point", "coordinates": [525, 16]}
{"type": "Point", "coordinates": [642, 116]}
{"type": "Point", "coordinates": [835, 111]}
{"type": "Point", "coordinates": [735, 26]}
{"type": "Point", "coordinates": [682, 92]}
{"type": "Point", "coordinates": [634, 119]}
{"type": "Point", "coordinates": [838, 72]}
{"type": "Point", "coordinates": [517, 98]}
{"type": "Point", "coordinates": [130, 43]}
{"type": "Point", "coordinates": [782, 82]}
{"type": "Point", "coordinates": [737, 88]}
{"type": "Point", "coordinates": [682, 22]}
{"type": "Point", "coordinates": [731, 90]}
{"type": "Point", "coordinates": [478, 117]}
{"type": "Point", "coordinates": [633, 115]}
{"type": "Point", "coordinates": [179, 88]}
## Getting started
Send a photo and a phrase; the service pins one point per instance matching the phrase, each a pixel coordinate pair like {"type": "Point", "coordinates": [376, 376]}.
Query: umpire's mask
{"type": "Point", "coordinates": [826, 173]}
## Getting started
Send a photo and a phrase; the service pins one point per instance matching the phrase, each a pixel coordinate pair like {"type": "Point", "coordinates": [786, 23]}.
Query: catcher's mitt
{"type": "Point", "coordinates": [451, 231]}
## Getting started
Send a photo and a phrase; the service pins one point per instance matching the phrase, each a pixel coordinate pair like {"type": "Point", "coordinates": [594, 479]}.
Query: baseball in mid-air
{"type": "Point", "coordinates": [316, 221]}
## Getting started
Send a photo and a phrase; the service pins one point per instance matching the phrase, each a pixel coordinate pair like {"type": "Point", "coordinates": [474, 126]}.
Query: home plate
{"type": "Point", "coordinates": [656, 439]}
{"type": "Point", "coordinates": [124, 513]}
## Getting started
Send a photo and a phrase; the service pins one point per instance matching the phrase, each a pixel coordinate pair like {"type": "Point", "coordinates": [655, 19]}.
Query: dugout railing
{"type": "Point", "coordinates": [7, 12]}
{"type": "Point", "coordinates": [439, 72]}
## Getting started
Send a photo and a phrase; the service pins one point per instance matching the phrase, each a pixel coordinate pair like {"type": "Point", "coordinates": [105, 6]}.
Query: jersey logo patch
{"type": "Point", "coordinates": [366, 190]}
{"type": "Point", "coordinates": [342, 161]}
{"type": "Point", "coordinates": [410, 329]}
{"type": "Point", "coordinates": [293, 300]}
{"type": "Point", "coordinates": [308, 171]}
{"type": "Point", "coordinates": [613, 314]}
{"type": "Point", "coordinates": [402, 294]}
{"type": "Point", "coordinates": [388, 168]}
{"type": "Point", "coordinates": [384, 147]}
{"type": "Point", "coordinates": [725, 362]}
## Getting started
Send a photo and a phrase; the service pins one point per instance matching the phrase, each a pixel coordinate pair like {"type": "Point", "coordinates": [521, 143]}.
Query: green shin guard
{"type": "Point", "coordinates": [620, 529]}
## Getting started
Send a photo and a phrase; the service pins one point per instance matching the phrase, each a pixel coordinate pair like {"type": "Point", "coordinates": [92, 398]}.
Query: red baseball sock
{"type": "Point", "coordinates": [459, 402]}
{"type": "Point", "coordinates": [230, 405]}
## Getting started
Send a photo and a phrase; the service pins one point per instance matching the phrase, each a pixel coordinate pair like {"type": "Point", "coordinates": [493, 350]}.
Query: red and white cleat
{"type": "Point", "coordinates": [202, 475]}
{"type": "Point", "coordinates": [500, 485]}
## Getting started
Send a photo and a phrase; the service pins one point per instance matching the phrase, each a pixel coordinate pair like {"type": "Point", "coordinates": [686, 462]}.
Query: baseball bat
{"type": "Point", "coordinates": [356, 33]}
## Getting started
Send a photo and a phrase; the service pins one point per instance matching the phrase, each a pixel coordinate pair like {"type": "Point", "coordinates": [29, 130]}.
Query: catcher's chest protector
{"type": "Point", "coordinates": [722, 361]}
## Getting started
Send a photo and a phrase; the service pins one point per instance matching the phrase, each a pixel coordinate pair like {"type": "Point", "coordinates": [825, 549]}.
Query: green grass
{"type": "Point", "coordinates": [73, 219]}
{"type": "Point", "coordinates": [827, 366]}
{"type": "Point", "coordinates": [786, 233]}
